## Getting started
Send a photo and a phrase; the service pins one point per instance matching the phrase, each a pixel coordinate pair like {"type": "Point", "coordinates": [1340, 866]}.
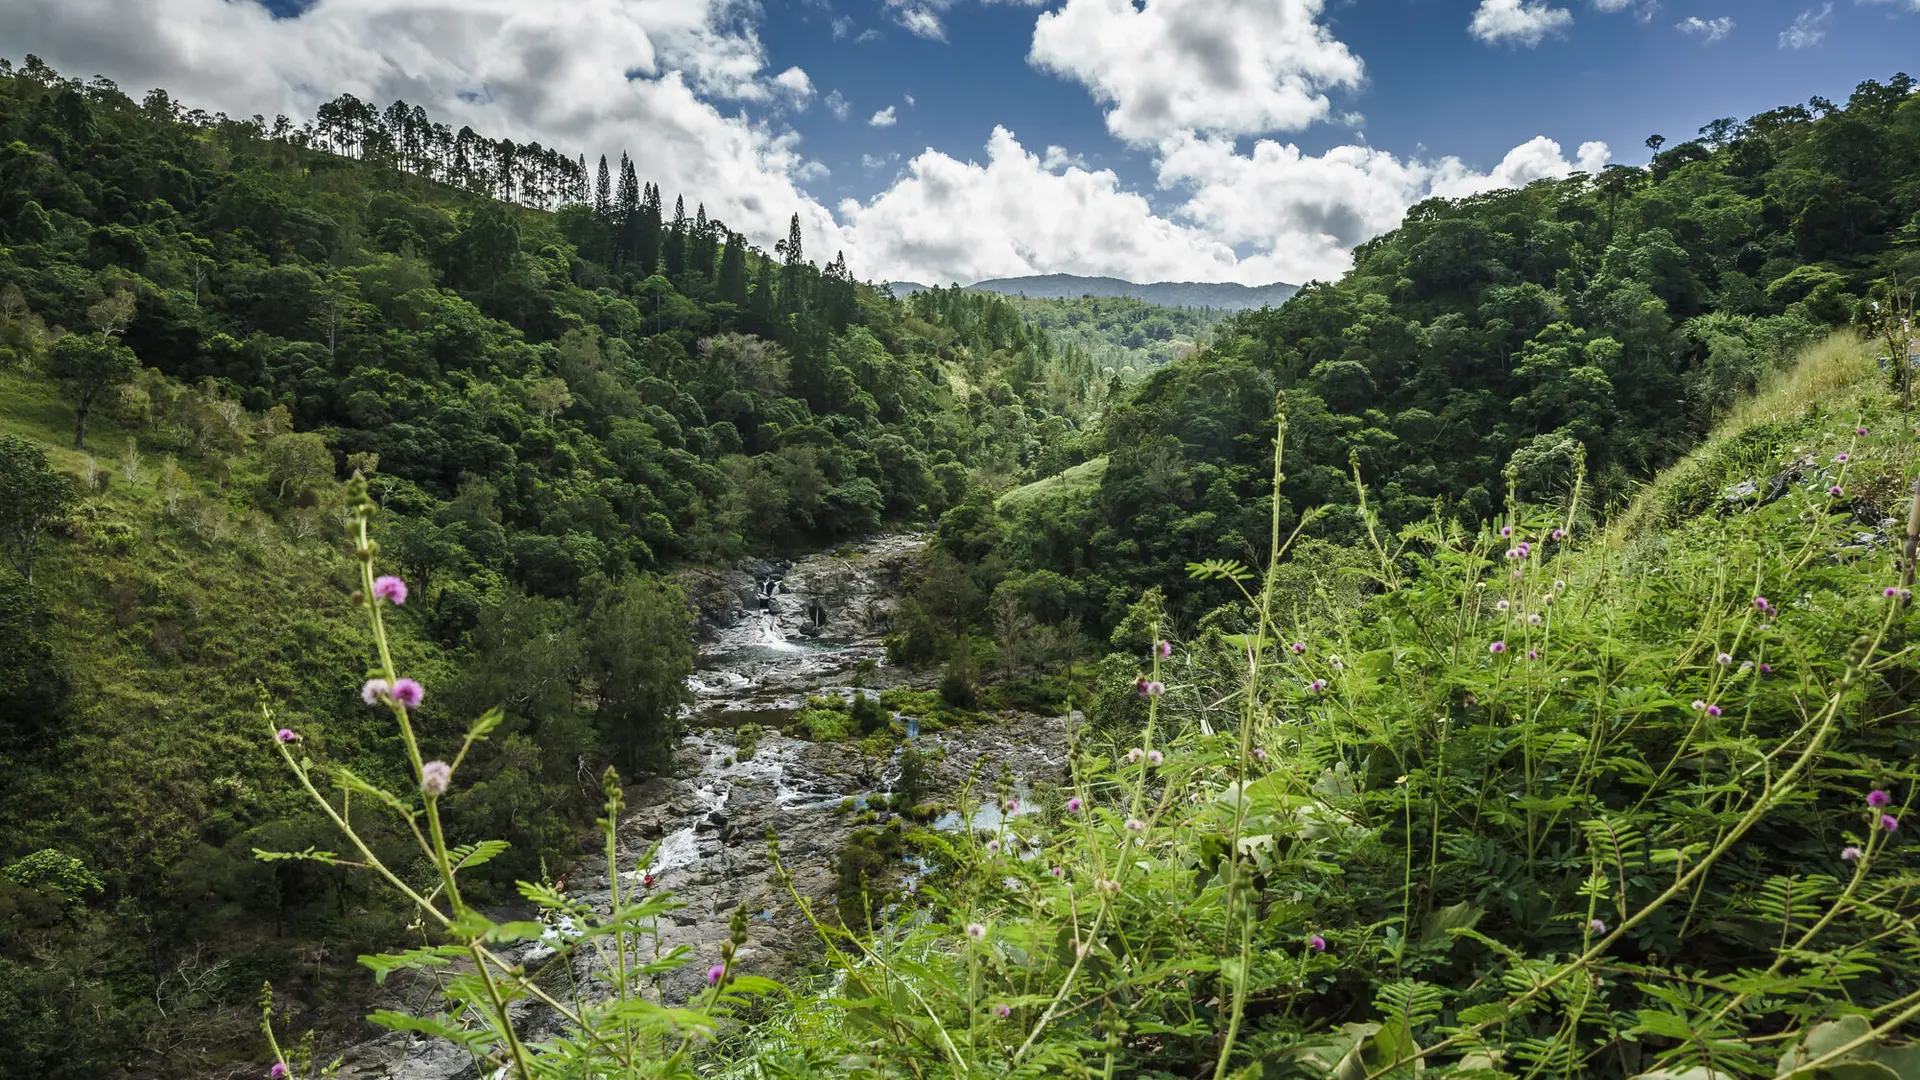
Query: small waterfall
{"type": "Point", "coordinates": [770, 633]}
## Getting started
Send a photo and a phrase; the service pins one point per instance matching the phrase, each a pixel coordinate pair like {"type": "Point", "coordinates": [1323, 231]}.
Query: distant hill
{"type": "Point", "coordinates": [1224, 296]}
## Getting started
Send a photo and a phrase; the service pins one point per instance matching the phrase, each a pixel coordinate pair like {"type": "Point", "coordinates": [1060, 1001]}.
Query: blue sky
{"type": "Point", "coordinates": [1246, 140]}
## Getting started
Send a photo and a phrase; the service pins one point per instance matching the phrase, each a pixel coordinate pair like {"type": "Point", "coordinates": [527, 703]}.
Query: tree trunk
{"type": "Point", "coordinates": [80, 428]}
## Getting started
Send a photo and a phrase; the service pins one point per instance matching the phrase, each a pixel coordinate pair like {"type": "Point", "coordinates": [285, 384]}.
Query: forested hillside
{"type": "Point", "coordinates": [556, 387]}
{"type": "Point", "coordinates": [1479, 352]}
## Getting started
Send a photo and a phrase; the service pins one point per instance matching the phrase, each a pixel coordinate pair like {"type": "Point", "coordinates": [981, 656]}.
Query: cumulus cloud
{"type": "Point", "coordinates": [1642, 9]}
{"type": "Point", "coordinates": [920, 17]}
{"type": "Point", "coordinates": [1808, 30]}
{"type": "Point", "coordinates": [1517, 22]}
{"type": "Point", "coordinates": [884, 118]}
{"type": "Point", "coordinates": [1708, 30]}
{"type": "Point", "coordinates": [1275, 214]}
{"type": "Point", "coordinates": [837, 104]}
{"type": "Point", "coordinates": [1220, 67]}
{"type": "Point", "coordinates": [797, 86]}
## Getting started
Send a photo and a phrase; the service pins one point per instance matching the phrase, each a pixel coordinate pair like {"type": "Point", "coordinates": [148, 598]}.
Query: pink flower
{"type": "Point", "coordinates": [1534, 620]}
{"type": "Point", "coordinates": [1155, 757]}
{"type": "Point", "coordinates": [1299, 648]}
{"type": "Point", "coordinates": [1878, 799]}
{"type": "Point", "coordinates": [1558, 535]}
{"type": "Point", "coordinates": [1533, 654]}
{"type": "Point", "coordinates": [1003, 1011]}
{"type": "Point", "coordinates": [715, 973]}
{"type": "Point", "coordinates": [1502, 606]}
{"type": "Point", "coordinates": [1851, 853]}
{"type": "Point", "coordinates": [287, 735]}
{"type": "Point", "coordinates": [1836, 491]}
{"type": "Point", "coordinates": [408, 693]}
{"type": "Point", "coordinates": [1506, 530]}
{"type": "Point", "coordinates": [1889, 822]}
{"type": "Point", "coordinates": [1842, 457]}
{"type": "Point", "coordinates": [1513, 553]}
{"type": "Point", "coordinates": [1713, 710]}
{"type": "Point", "coordinates": [1260, 753]}
{"type": "Point", "coordinates": [373, 691]}
{"type": "Point", "coordinates": [646, 881]}
{"type": "Point", "coordinates": [390, 588]}
{"type": "Point", "coordinates": [1596, 926]}
{"type": "Point", "coordinates": [1724, 658]}
{"type": "Point", "coordinates": [1698, 705]}
{"type": "Point", "coordinates": [1317, 685]}
{"type": "Point", "coordinates": [1524, 550]}
{"type": "Point", "coordinates": [1134, 824]}
{"type": "Point", "coordinates": [1762, 603]}
{"type": "Point", "coordinates": [1074, 804]}
{"type": "Point", "coordinates": [976, 931]}
{"type": "Point", "coordinates": [1058, 872]}
{"type": "Point", "coordinates": [993, 847]}
{"type": "Point", "coordinates": [1164, 649]}
{"type": "Point", "coordinates": [1317, 943]}
{"type": "Point", "coordinates": [1497, 648]}
{"type": "Point", "coordinates": [1134, 755]}
{"type": "Point", "coordinates": [1890, 592]}
{"type": "Point", "coordinates": [1013, 806]}
{"type": "Point", "coordinates": [279, 1070]}
{"type": "Point", "coordinates": [1859, 431]}
{"type": "Point", "coordinates": [434, 778]}
{"type": "Point", "coordinates": [1147, 688]}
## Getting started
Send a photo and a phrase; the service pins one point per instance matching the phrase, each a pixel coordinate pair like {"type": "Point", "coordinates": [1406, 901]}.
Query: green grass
{"type": "Point", "coordinates": [1079, 480]}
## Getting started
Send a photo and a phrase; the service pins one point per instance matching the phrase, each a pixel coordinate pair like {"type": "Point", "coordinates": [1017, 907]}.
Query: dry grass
{"type": "Point", "coordinates": [1827, 375]}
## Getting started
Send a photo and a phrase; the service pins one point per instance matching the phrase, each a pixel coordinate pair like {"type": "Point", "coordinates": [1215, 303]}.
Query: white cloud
{"type": "Point", "coordinates": [798, 87]}
{"type": "Point", "coordinates": [1910, 5]}
{"type": "Point", "coordinates": [1225, 67]}
{"type": "Point", "coordinates": [842, 26]}
{"type": "Point", "coordinates": [871, 162]}
{"type": "Point", "coordinates": [1808, 30]}
{"type": "Point", "coordinates": [1275, 214]}
{"type": "Point", "coordinates": [920, 17]}
{"type": "Point", "coordinates": [884, 118]}
{"type": "Point", "coordinates": [909, 100]}
{"type": "Point", "coordinates": [1709, 30]}
{"type": "Point", "coordinates": [837, 104]}
{"type": "Point", "coordinates": [593, 76]}
{"type": "Point", "coordinates": [812, 172]}
{"type": "Point", "coordinates": [1517, 22]}
{"type": "Point", "coordinates": [1643, 10]}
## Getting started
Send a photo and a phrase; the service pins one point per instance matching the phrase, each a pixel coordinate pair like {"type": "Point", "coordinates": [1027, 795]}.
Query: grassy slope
{"type": "Point", "coordinates": [173, 624]}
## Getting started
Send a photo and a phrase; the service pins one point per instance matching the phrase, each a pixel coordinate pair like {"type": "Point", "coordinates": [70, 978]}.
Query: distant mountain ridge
{"type": "Point", "coordinates": [1223, 295]}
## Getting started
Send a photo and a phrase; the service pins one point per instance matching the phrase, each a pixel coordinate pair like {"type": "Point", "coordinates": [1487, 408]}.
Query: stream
{"type": "Point", "coordinates": [772, 634]}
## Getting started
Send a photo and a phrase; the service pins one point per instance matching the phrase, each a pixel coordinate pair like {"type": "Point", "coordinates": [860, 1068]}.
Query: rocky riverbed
{"type": "Point", "coordinates": [773, 634]}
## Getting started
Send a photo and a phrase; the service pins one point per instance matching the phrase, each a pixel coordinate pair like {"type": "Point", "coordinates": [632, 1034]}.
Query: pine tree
{"type": "Point", "coordinates": [603, 191]}
{"type": "Point", "coordinates": [700, 248]}
{"type": "Point", "coordinates": [789, 249]}
{"type": "Point", "coordinates": [733, 271]}
{"type": "Point", "coordinates": [649, 239]}
{"type": "Point", "coordinates": [626, 213]}
{"type": "Point", "coordinates": [677, 241]}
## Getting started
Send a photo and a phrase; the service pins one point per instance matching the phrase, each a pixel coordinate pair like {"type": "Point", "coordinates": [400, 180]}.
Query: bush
{"type": "Point", "coordinates": [957, 685]}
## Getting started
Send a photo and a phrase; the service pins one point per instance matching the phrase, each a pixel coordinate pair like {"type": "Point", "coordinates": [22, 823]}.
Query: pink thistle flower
{"type": "Point", "coordinates": [993, 847]}
{"type": "Point", "coordinates": [647, 881]}
{"type": "Point", "coordinates": [1013, 806]}
{"type": "Point", "coordinates": [1003, 1011]}
{"type": "Point", "coordinates": [1513, 553]}
{"type": "Point", "coordinates": [279, 1070]}
{"type": "Point", "coordinates": [1134, 824]}
{"type": "Point", "coordinates": [1058, 871]}
{"type": "Point", "coordinates": [1299, 648]}
{"type": "Point", "coordinates": [434, 778]}
{"type": "Point", "coordinates": [1889, 822]}
{"type": "Point", "coordinates": [1842, 457]}
{"type": "Point", "coordinates": [1558, 535]}
{"type": "Point", "coordinates": [1851, 853]}
{"type": "Point", "coordinates": [1766, 669]}
{"type": "Point", "coordinates": [1524, 550]}
{"type": "Point", "coordinates": [1859, 431]}
{"type": "Point", "coordinates": [1074, 804]}
{"type": "Point", "coordinates": [1698, 705]}
{"type": "Point", "coordinates": [374, 691]}
{"type": "Point", "coordinates": [287, 735]}
{"type": "Point", "coordinates": [1533, 654]}
{"type": "Point", "coordinates": [1164, 649]}
{"type": "Point", "coordinates": [1890, 591]}
{"type": "Point", "coordinates": [1878, 799]}
{"type": "Point", "coordinates": [1155, 689]}
{"type": "Point", "coordinates": [1762, 603]}
{"type": "Point", "coordinates": [1497, 648]}
{"type": "Point", "coordinates": [715, 973]}
{"type": "Point", "coordinates": [408, 693]}
{"type": "Point", "coordinates": [1317, 685]}
{"type": "Point", "coordinates": [1260, 754]}
{"type": "Point", "coordinates": [1596, 926]}
{"type": "Point", "coordinates": [1317, 943]}
{"type": "Point", "coordinates": [1534, 620]}
{"type": "Point", "coordinates": [976, 931]}
{"type": "Point", "coordinates": [1836, 491]}
{"type": "Point", "coordinates": [1713, 710]}
{"type": "Point", "coordinates": [1502, 605]}
{"type": "Point", "coordinates": [1155, 757]}
{"type": "Point", "coordinates": [1506, 530]}
{"type": "Point", "coordinates": [390, 588]}
{"type": "Point", "coordinates": [1724, 658]}
{"type": "Point", "coordinates": [1134, 755]}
